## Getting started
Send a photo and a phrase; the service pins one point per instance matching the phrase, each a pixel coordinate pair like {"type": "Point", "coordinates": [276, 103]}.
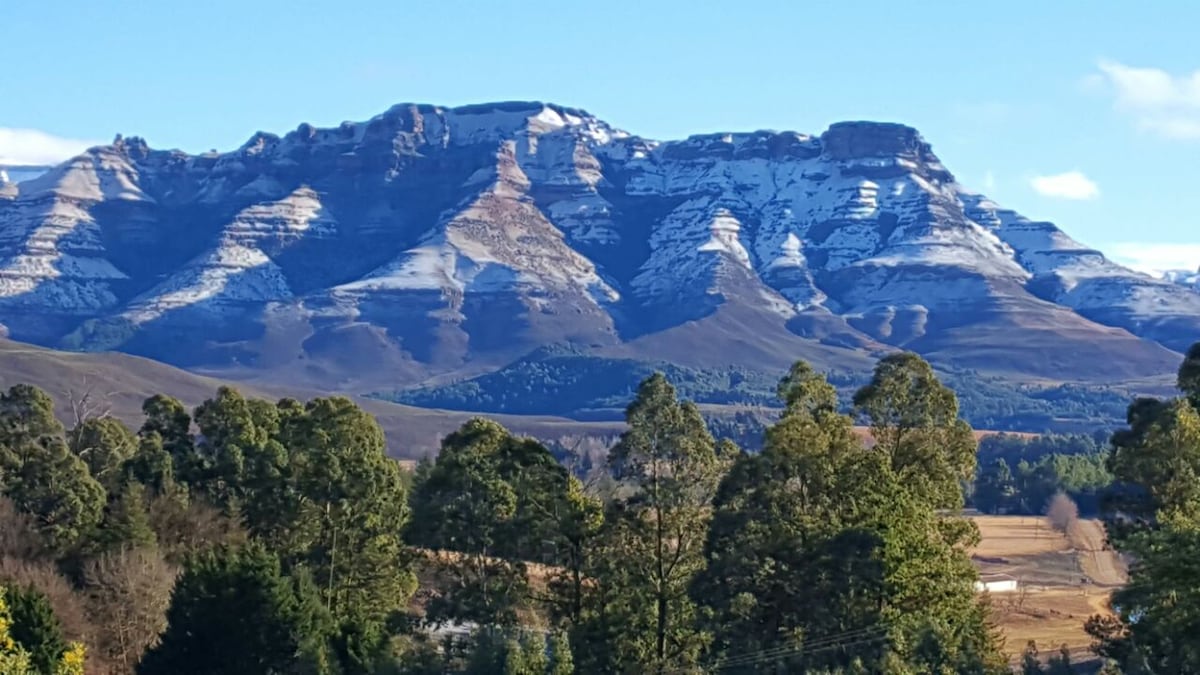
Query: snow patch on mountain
{"type": "Point", "coordinates": [238, 269]}
{"type": "Point", "coordinates": [426, 212]}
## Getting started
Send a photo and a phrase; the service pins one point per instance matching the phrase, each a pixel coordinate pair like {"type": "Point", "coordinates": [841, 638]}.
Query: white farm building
{"type": "Point", "coordinates": [996, 583]}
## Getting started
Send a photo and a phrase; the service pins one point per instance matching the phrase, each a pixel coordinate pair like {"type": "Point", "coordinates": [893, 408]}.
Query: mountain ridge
{"type": "Point", "coordinates": [433, 241]}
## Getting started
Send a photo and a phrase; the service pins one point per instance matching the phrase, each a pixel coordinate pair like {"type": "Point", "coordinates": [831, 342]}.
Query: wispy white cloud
{"type": "Point", "coordinates": [1156, 258]}
{"type": "Point", "coordinates": [30, 146]}
{"type": "Point", "coordinates": [1067, 185]}
{"type": "Point", "coordinates": [1158, 102]}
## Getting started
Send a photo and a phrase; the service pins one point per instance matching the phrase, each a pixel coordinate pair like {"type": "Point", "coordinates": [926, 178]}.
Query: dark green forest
{"type": "Point", "coordinates": [565, 381]}
{"type": "Point", "coordinates": [248, 536]}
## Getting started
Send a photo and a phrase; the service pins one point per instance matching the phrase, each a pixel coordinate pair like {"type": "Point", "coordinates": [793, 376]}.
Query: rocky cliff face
{"type": "Point", "coordinates": [430, 240]}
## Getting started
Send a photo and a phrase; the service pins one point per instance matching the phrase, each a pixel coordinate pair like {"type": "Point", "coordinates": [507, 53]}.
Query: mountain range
{"type": "Point", "coordinates": [441, 248]}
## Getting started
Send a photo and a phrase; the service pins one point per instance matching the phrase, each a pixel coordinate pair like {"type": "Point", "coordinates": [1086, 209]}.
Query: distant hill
{"type": "Point", "coordinates": [119, 383]}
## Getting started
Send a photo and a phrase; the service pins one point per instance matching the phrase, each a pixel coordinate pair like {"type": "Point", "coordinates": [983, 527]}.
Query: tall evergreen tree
{"type": "Point", "coordinates": [935, 620]}
{"type": "Point", "coordinates": [1154, 517]}
{"type": "Point", "coordinates": [914, 420]}
{"type": "Point", "coordinates": [39, 472]}
{"type": "Point", "coordinates": [522, 506]}
{"type": "Point", "coordinates": [346, 510]}
{"type": "Point", "coordinates": [244, 459]}
{"type": "Point", "coordinates": [789, 559]}
{"type": "Point", "coordinates": [169, 419]}
{"type": "Point", "coordinates": [667, 465]}
{"type": "Point", "coordinates": [151, 465]}
{"type": "Point", "coordinates": [126, 521]}
{"type": "Point", "coordinates": [995, 487]}
{"type": "Point", "coordinates": [36, 628]}
{"type": "Point", "coordinates": [234, 612]}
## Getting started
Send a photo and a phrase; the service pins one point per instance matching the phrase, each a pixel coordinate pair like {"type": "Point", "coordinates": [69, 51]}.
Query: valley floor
{"type": "Point", "coordinates": [1064, 578]}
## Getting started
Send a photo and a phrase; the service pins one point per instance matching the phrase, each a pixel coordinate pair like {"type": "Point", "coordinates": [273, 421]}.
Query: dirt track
{"type": "Point", "coordinates": [1103, 565]}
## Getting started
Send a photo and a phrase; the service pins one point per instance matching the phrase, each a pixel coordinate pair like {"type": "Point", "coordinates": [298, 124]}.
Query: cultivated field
{"type": "Point", "coordinates": [1064, 578]}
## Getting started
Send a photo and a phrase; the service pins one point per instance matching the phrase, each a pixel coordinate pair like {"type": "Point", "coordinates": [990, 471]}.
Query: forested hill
{"type": "Point", "coordinates": [247, 535]}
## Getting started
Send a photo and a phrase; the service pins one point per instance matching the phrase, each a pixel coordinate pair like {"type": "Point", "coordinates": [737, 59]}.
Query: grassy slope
{"type": "Point", "coordinates": [122, 382]}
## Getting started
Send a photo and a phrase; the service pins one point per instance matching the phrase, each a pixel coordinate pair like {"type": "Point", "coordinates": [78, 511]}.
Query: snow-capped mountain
{"type": "Point", "coordinates": [20, 173]}
{"type": "Point", "coordinates": [1183, 277]}
{"type": "Point", "coordinates": [433, 239]}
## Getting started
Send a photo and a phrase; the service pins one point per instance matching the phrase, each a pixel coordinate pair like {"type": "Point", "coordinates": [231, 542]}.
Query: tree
{"type": "Point", "coordinates": [935, 620]}
{"type": "Point", "coordinates": [1188, 380]}
{"type": "Point", "coordinates": [1030, 663]}
{"type": "Point", "coordinates": [233, 611]}
{"type": "Point", "coordinates": [26, 416]}
{"type": "Point", "coordinates": [104, 444]}
{"type": "Point", "coordinates": [463, 506]}
{"type": "Point", "coordinates": [345, 511]}
{"type": "Point", "coordinates": [995, 487]}
{"type": "Point", "coordinates": [35, 628]}
{"type": "Point", "coordinates": [498, 502]}
{"type": "Point", "coordinates": [131, 589]}
{"type": "Point", "coordinates": [1060, 663]}
{"type": "Point", "coordinates": [15, 660]}
{"type": "Point", "coordinates": [791, 558]}
{"type": "Point", "coordinates": [667, 465]}
{"type": "Point", "coordinates": [512, 651]}
{"type": "Point", "coordinates": [39, 472]}
{"type": "Point", "coordinates": [126, 521]}
{"type": "Point", "coordinates": [151, 464]}
{"type": "Point", "coordinates": [914, 419]}
{"type": "Point", "coordinates": [54, 486]}
{"type": "Point", "coordinates": [169, 420]}
{"type": "Point", "coordinates": [1153, 516]}
{"type": "Point", "coordinates": [243, 458]}
{"type": "Point", "coordinates": [561, 661]}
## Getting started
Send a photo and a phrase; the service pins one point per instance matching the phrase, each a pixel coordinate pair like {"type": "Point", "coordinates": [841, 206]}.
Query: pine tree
{"type": "Point", "coordinates": [561, 661]}
{"type": "Point", "coordinates": [126, 521]}
{"type": "Point", "coordinates": [35, 628]}
{"type": "Point", "coordinates": [234, 612]}
{"type": "Point", "coordinates": [15, 660]}
{"type": "Point", "coordinates": [169, 420]}
{"type": "Point", "coordinates": [39, 472]}
{"type": "Point", "coordinates": [244, 459]}
{"type": "Point", "coordinates": [151, 465]}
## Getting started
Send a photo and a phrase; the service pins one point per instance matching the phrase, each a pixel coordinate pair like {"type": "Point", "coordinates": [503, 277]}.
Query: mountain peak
{"type": "Point", "coordinates": [432, 239]}
{"type": "Point", "coordinates": [859, 139]}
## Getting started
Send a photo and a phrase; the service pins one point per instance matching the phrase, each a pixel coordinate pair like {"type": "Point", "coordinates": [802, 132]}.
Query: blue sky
{"type": "Point", "coordinates": [1066, 111]}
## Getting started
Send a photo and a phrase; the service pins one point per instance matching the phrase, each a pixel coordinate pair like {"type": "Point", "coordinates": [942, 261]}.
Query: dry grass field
{"type": "Point", "coordinates": [1064, 579]}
